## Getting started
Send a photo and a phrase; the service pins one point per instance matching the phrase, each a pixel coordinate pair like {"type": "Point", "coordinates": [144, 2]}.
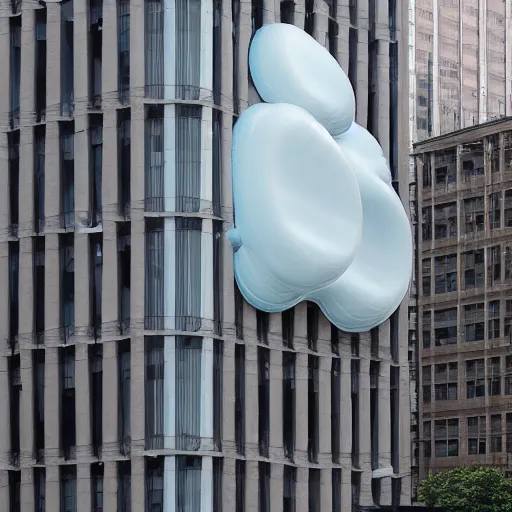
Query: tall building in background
{"type": "Point", "coordinates": [133, 376]}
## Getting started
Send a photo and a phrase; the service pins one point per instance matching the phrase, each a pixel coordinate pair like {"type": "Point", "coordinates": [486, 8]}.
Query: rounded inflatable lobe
{"type": "Point", "coordinates": [297, 203]}
{"type": "Point", "coordinates": [289, 66]}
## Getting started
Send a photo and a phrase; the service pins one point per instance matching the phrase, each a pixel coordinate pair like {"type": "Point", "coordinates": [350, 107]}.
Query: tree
{"type": "Point", "coordinates": [468, 489]}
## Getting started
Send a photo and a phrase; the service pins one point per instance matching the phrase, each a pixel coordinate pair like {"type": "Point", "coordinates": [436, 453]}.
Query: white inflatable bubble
{"type": "Point", "coordinates": [289, 66]}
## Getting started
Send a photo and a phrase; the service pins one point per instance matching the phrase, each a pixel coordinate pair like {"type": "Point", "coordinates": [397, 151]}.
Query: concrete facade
{"type": "Point", "coordinates": [18, 470]}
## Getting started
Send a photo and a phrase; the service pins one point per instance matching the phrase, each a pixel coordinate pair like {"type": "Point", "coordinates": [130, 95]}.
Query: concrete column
{"type": "Point", "coordinates": [26, 296]}
{"type": "Point", "coordinates": [170, 272]}
{"type": "Point", "coordinates": [109, 178]}
{"type": "Point", "coordinates": [324, 417]}
{"type": "Point", "coordinates": [4, 84]}
{"type": "Point", "coordinates": [51, 413]}
{"type": "Point", "coordinates": [110, 285]}
{"type": "Point", "coordinates": [276, 487]}
{"type": "Point", "coordinates": [228, 398]}
{"type": "Point", "coordinates": [300, 9]}
{"type": "Point", "coordinates": [206, 159]}
{"type": "Point", "coordinates": [82, 170]}
{"type": "Point", "coordinates": [326, 489]}
{"type": "Point", "coordinates": [170, 392]}
{"type": "Point", "coordinates": [170, 154]}
{"type": "Point", "coordinates": [52, 493]}
{"type": "Point", "coordinates": [110, 398]}
{"type": "Point", "coordinates": [82, 284]}
{"type": "Point", "coordinates": [206, 484]}
{"type": "Point", "coordinates": [110, 485]}
{"type": "Point", "coordinates": [207, 396]}
{"type": "Point", "coordinates": [52, 194]}
{"type": "Point", "coordinates": [482, 61]}
{"type": "Point", "coordinates": [137, 484]}
{"type": "Point", "coordinates": [26, 183]}
{"type": "Point", "coordinates": [508, 57]}
{"type": "Point", "coordinates": [251, 486]}
{"type": "Point", "coordinates": [53, 20]}
{"type": "Point", "coordinates": [136, 49]}
{"type": "Point", "coordinates": [362, 64]}
{"type": "Point", "coordinates": [52, 290]}
{"type": "Point", "coordinates": [137, 399]}
{"type": "Point", "coordinates": [5, 438]}
{"type": "Point", "coordinates": [82, 397]}
{"type": "Point", "coordinates": [302, 490]}
{"type": "Point", "coordinates": [206, 72]}
{"type": "Point", "coordinates": [301, 408]}
{"type": "Point", "coordinates": [170, 483]}
{"type": "Point", "coordinates": [276, 404]}
{"type": "Point", "coordinates": [346, 489]}
{"type": "Point", "coordinates": [207, 272]}
{"type": "Point", "coordinates": [26, 490]}
{"type": "Point", "coordinates": [243, 45]}
{"type": "Point", "coordinates": [365, 433]}
{"type": "Point", "coordinates": [26, 407]}
{"type": "Point", "coordinates": [229, 485]}
{"type": "Point", "coordinates": [109, 64]}
{"type": "Point", "coordinates": [83, 487]}
{"type": "Point", "coordinates": [227, 58]}
{"type": "Point", "coordinates": [251, 402]}
{"type": "Point", "coordinates": [384, 417]}
{"type": "Point", "coordinates": [81, 58]}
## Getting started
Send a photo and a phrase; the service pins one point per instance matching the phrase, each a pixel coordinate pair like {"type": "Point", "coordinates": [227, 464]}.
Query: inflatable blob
{"type": "Point", "coordinates": [316, 215]}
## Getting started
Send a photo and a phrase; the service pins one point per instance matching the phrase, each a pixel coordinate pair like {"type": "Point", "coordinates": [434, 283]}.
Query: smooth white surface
{"type": "Point", "coordinates": [289, 66]}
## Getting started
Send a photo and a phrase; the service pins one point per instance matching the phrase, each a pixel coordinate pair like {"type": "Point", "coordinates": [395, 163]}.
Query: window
{"type": "Point", "coordinates": [40, 64]}
{"type": "Point", "coordinates": [66, 60]}
{"type": "Point", "coordinates": [39, 489]}
{"type": "Point", "coordinates": [14, 491]}
{"type": "Point", "coordinates": [95, 49]}
{"type": "Point", "coordinates": [154, 45]}
{"type": "Point", "coordinates": [154, 279]}
{"type": "Point", "coordinates": [426, 273]}
{"type": "Point", "coordinates": [240, 485]}
{"type": "Point", "coordinates": [262, 325]}
{"type": "Point", "coordinates": [287, 8]}
{"type": "Point", "coordinates": [356, 489]}
{"type": "Point", "coordinates": [508, 318]}
{"type": "Point", "coordinates": [446, 434]}
{"type": "Point", "coordinates": [509, 432]}
{"type": "Point", "coordinates": [354, 344]}
{"type": "Point", "coordinates": [427, 166]}
{"type": "Point", "coordinates": [14, 291]}
{"type": "Point", "coordinates": [335, 410]}
{"type": "Point", "coordinates": [446, 378]}
{"type": "Point", "coordinates": [394, 400]}
{"type": "Point", "coordinates": [68, 497]}
{"type": "Point", "coordinates": [188, 157]}
{"type": "Point", "coordinates": [354, 395]}
{"type": "Point", "coordinates": [472, 160]}
{"type": "Point", "coordinates": [155, 484]}
{"type": "Point", "coordinates": [475, 378]}
{"type": "Point", "coordinates": [264, 486]}
{"type": "Point", "coordinates": [39, 163]}
{"type": "Point", "coordinates": [124, 273]}
{"type": "Point", "coordinates": [239, 313]}
{"type": "Point", "coordinates": [188, 483]}
{"type": "Point", "coordinates": [67, 285]}
{"type": "Point", "coordinates": [508, 375]}
{"type": "Point", "coordinates": [373, 79]}
{"type": "Point", "coordinates": [445, 327]}
{"type": "Point", "coordinates": [123, 57]}
{"type": "Point", "coordinates": [476, 435]}
{"type": "Point", "coordinates": [474, 269]}
{"type": "Point", "coordinates": [314, 490]}
{"type": "Point", "coordinates": [14, 406]}
{"type": "Point", "coordinates": [494, 152]}
{"type": "Point", "coordinates": [309, 20]}
{"type": "Point", "coordinates": [124, 491]}
{"type": "Point", "coordinates": [353, 43]}
{"type": "Point", "coordinates": [353, 11]}
{"type": "Point", "coordinates": [154, 348]}
{"type": "Point", "coordinates": [446, 273]}
{"type": "Point", "coordinates": [217, 51]}
{"type": "Point", "coordinates": [287, 321]}
{"type": "Point", "coordinates": [427, 384]}
{"type": "Point", "coordinates": [445, 220]}
{"type": "Point", "coordinates": [15, 71]}
{"type": "Point", "coordinates": [474, 323]}
{"type": "Point", "coordinates": [67, 402]}
{"type": "Point", "coordinates": [38, 359]}
{"type": "Point", "coordinates": [427, 437]}
{"type": "Point", "coordinates": [336, 489]}
{"type": "Point", "coordinates": [188, 274]}
{"type": "Point", "coordinates": [235, 35]}
{"type": "Point", "coordinates": [426, 225]}
{"type": "Point", "coordinates": [427, 326]}
{"type": "Point", "coordinates": [473, 212]}
{"type": "Point", "coordinates": [96, 396]}
{"type": "Point", "coordinates": [393, 95]}
{"type": "Point", "coordinates": [217, 163]}
{"type": "Point", "coordinates": [289, 485]}
{"type": "Point", "coordinates": [493, 265]}
{"type": "Point", "coordinates": [95, 168]}
{"type": "Point", "coordinates": [123, 397]}
{"type": "Point", "coordinates": [495, 210]}
{"type": "Point", "coordinates": [67, 174]}
{"type": "Point", "coordinates": [374, 413]}
{"type": "Point", "coordinates": [494, 376]}
{"type": "Point", "coordinates": [313, 408]}
{"type": "Point", "coordinates": [332, 28]}
{"type": "Point", "coordinates": [240, 398]}
{"type": "Point", "coordinates": [217, 469]}
{"type": "Point", "coordinates": [445, 168]}
{"type": "Point", "coordinates": [13, 141]}
{"type": "Point", "coordinates": [263, 401]}
{"type": "Point", "coordinates": [289, 404]}
{"type": "Point", "coordinates": [496, 436]}
{"type": "Point", "coordinates": [312, 325]}
{"type": "Point", "coordinates": [154, 159]}
{"type": "Point", "coordinates": [188, 392]}
{"type": "Point", "coordinates": [95, 282]}
{"type": "Point", "coordinates": [374, 343]}
{"type": "Point", "coordinates": [123, 159]}
{"type": "Point", "coordinates": [508, 208]}
{"type": "Point", "coordinates": [97, 487]}
{"type": "Point", "coordinates": [218, 361]}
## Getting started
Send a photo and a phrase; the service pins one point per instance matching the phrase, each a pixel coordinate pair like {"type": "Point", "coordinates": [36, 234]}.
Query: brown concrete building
{"type": "Point", "coordinates": [464, 251]}
{"type": "Point", "coordinates": [133, 377]}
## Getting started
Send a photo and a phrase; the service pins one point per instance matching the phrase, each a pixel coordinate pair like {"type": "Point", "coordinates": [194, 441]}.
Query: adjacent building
{"type": "Point", "coordinates": [133, 376]}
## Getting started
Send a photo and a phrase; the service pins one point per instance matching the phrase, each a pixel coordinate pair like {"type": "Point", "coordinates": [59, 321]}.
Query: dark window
{"type": "Point", "coordinates": [67, 402]}
{"type": "Point", "coordinates": [40, 64]}
{"type": "Point", "coordinates": [289, 486]}
{"type": "Point", "coordinates": [313, 408]}
{"type": "Point", "coordinates": [240, 398]}
{"type": "Point", "coordinates": [188, 483]}
{"type": "Point", "coordinates": [335, 340]}
{"type": "Point", "coordinates": [287, 324]}
{"type": "Point", "coordinates": [396, 491]}
{"type": "Point", "coordinates": [13, 140]}
{"type": "Point", "coordinates": [445, 327]}
{"type": "Point", "coordinates": [97, 487]}
{"type": "Point", "coordinates": [154, 45]}
{"type": "Point", "coordinates": [39, 489]}
{"type": "Point", "coordinates": [309, 18]}
{"type": "Point", "coordinates": [67, 174]}
{"type": "Point", "coordinates": [393, 99]}
{"type": "Point", "coordinates": [352, 57]}
{"type": "Point", "coordinates": [96, 396]}
{"type": "Point", "coordinates": [314, 490]}
{"type": "Point", "coordinates": [356, 490]}
{"type": "Point", "coordinates": [239, 313]}
{"type": "Point", "coordinates": [124, 486]}
{"type": "Point", "coordinates": [14, 406]}
{"type": "Point", "coordinates": [217, 163]}
{"type": "Point", "coordinates": [312, 325]}
{"type": "Point", "coordinates": [155, 484]}
{"type": "Point", "coordinates": [256, 15]}
{"type": "Point", "coordinates": [217, 468]}
{"type": "Point", "coordinates": [240, 486]}
{"type": "Point", "coordinates": [14, 491]}
{"type": "Point", "coordinates": [354, 375]}
{"type": "Point", "coordinates": [154, 279]}
{"type": "Point", "coordinates": [14, 290]}
{"type": "Point", "coordinates": [67, 285]}
{"type": "Point", "coordinates": [123, 57]}
{"type": "Point", "coordinates": [39, 163]}
{"type": "Point", "coordinates": [392, 19]}
{"type": "Point", "coordinates": [475, 378]}
{"type": "Point", "coordinates": [217, 276]}
{"type": "Point", "coordinates": [154, 159]}
{"type": "Point", "coordinates": [494, 376]}
{"type": "Point", "coordinates": [124, 369]}
{"type": "Point", "coordinates": [262, 325]}
{"type": "Point", "coordinates": [445, 268]}
{"type": "Point", "coordinates": [426, 225]}
{"type": "Point", "coordinates": [263, 401]}
{"type": "Point", "coordinates": [373, 80]}
{"type": "Point", "coordinates": [446, 434]}
{"type": "Point", "coordinates": [15, 71]}
{"type": "Point", "coordinates": [494, 265]}
{"type": "Point", "coordinates": [336, 490]}
{"type": "Point", "coordinates": [66, 59]}
{"type": "Point", "coordinates": [124, 273]}
{"type": "Point", "coordinates": [493, 325]}
{"type": "Point", "coordinates": [352, 9]}
{"type": "Point", "coordinates": [124, 160]}
{"type": "Point", "coordinates": [68, 497]}
{"type": "Point", "coordinates": [217, 51]}
{"type": "Point", "coordinates": [332, 28]}
{"type": "Point", "coordinates": [95, 49]}
{"type": "Point", "coordinates": [374, 413]}
{"type": "Point", "coordinates": [235, 35]}
{"type": "Point", "coordinates": [95, 282]}
{"type": "Point", "coordinates": [393, 335]}
{"type": "Point", "coordinates": [335, 410]}
{"type": "Point", "coordinates": [376, 490]}
{"type": "Point", "coordinates": [287, 11]}
{"type": "Point", "coordinates": [354, 344]}
{"type": "Point", "coordinates": [38, 359]}
{"type": "Point", "coordinates": [218, 362]}
{"type": "Point", "coordinates": [394, 400]}
{"type": "Point", "coordinates": [374, 343]}
{"type": "Point", "coordinates": [95, 168]}
{"type": "Point", "coordinates": [289, 404]}
{"type": "Point", "coordinates": [477, 442]}
{"type": "Point", "coordinates": [154, 348]}
{"type": "Point", "coordinates": [264, 486]}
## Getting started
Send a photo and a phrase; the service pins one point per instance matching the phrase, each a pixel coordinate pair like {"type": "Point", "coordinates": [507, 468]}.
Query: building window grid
{"type": "Point", "coordinates": [494, 376]}
{"type": "Point", "coordinates": [496, 440]}
{"type": "Point", "coordinates": [426, 277]}
{"type": "Point", "coordinates": [474, 216]}
{"type": "Point", "coordinates": [493, 320]}
{"type": "Point", "coordinates": [445, 327]}
{"type": "Point", "coordinates": [477, 435]}
{"type": "Point", "coordinates": [475, 378]}
{"type": "Point", "coordinates": [446, 378]}
{"type": "Point", "coordinates": [474, 322]}
{"type": "Point", "coordinates": [495, 210]}
{"type": "Point", "coordinates": [427, 383]}
{"type": "Point", "coordinates": [446, 435]}
{"type": "Point", "coordinates": [445, 221]}
{"type": "Point", "coordinates": [445, 274]}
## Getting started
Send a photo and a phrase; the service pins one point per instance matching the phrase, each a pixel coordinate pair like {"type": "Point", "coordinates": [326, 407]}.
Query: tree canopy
{"type": "Point", "coordinates": [468, 489]}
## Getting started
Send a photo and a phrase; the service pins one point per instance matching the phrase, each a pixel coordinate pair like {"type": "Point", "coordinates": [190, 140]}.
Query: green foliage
{"type": "Point", "coordinates": [468, 489]}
